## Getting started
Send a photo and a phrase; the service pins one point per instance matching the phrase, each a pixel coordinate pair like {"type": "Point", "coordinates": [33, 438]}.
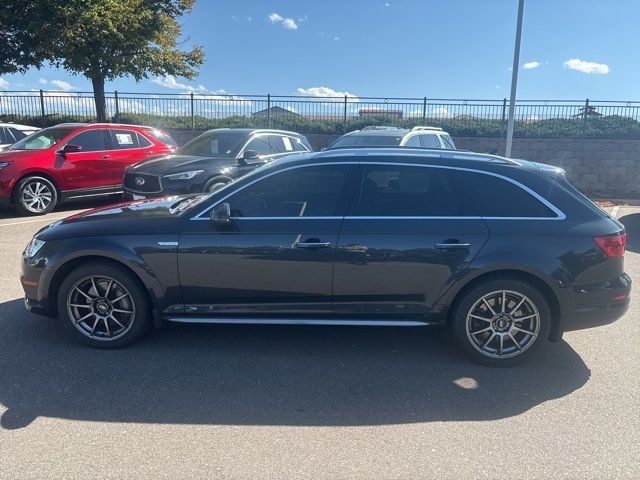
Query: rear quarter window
{"type": "Point", "coordinates": [497, 197]}
{"type": "Point", "coordinates": [162, 137]}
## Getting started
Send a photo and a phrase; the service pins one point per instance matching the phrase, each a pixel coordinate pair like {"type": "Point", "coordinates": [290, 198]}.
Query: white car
{"type": "Point", "coordinates": [10, 133]}
{"type": "Point", "coordinates": [417, 137]}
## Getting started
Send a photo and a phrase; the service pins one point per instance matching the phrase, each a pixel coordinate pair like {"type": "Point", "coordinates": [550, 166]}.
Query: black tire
{"type": "Point", "coordinates": [215, 183]}
{"type": "Point", "coordinates": [506, 352]}
{"type": "Point", "coordinates": [24, 190]}
{"type": "Point", "coordinates": [137, 302]}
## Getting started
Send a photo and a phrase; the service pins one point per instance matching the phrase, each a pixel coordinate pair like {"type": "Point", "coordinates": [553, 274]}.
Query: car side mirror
{"type": "Point", "coordinates": [250, 155]}
{"type": "Point", "coordinates": [70, 148]}
{"type": "Point", "coordinates": [221, 214]}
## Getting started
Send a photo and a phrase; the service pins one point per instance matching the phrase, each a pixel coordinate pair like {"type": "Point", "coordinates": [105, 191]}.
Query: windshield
{"type": "Point", "coordinates": [367, 141]}
{"type": "Point", "coordinates": [213, 143]}
{"type": "Point", "coordinates": [42, 139]}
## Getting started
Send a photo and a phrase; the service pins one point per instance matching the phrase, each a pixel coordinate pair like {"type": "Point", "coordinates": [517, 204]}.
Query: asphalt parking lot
{"type": "Point", "coordinates": [310, 402]}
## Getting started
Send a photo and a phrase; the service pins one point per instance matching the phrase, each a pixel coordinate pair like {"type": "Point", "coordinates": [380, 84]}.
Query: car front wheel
{"type": "Point", "coordinates": [35, 196]}
{"type": "Point", "coordinates": [103, 305]}
{"type": "Point", "coordinates": [501, 322]}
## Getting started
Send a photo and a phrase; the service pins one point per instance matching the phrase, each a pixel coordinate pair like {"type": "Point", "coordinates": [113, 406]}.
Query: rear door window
{"type": "Point", "coordinates": [413, 141]}
{"type": "Point", "coordinates": [4, 137]}
{"type": "Point", "coordinates": [124, 139]}
{"type": "Point", "coordinates": [406, 191]}
{"type": "Point", "coordinates": [497, 197]}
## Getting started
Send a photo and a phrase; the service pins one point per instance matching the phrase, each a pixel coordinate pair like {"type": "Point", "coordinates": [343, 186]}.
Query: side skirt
{"type": "Point", "coordinates": [299, 321]}
{"type": "Point", "coordinates": [79, 194]}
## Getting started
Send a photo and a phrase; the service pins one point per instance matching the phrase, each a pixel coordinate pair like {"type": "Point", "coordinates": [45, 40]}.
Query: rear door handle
{"type": "Point", "coordinates": [452, 246]}
{"type": "Point", "coordinates": [312, 245]}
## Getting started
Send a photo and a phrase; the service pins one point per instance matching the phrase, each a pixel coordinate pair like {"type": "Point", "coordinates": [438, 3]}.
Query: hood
{"type": "Point", "coordinates": [12, 155]}
{"type": "Point", "coordinates": [153, 216]}
{"type": "Point", "coordinates": [168, 164]}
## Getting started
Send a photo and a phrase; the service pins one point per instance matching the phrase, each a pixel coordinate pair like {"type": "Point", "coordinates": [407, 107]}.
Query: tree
{"type": "Point", "coordinates": [100, 39]}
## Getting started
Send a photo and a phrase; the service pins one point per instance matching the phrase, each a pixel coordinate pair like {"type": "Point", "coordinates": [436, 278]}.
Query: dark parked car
{"type": "Point", "coordinates": [506, 253]}
{"type": "Point", "coordinates": [381, 136]}
{"type": "Point", "coordinates": [73, 161]}
{"type": "Point", "coordinates": [210, 161]}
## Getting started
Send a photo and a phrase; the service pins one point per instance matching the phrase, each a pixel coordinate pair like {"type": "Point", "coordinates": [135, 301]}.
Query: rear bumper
{"type": "Point", "coordinates": [612, 299]}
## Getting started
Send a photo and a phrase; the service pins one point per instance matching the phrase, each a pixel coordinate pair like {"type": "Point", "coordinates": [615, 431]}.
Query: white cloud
{"type": "Point", "coordinates": [62, 85]}
{"type": "Point", "coordinates": [586, 67]}
{"type": "Point", "coordinates": [336, 38]}
{"type": "Point", "coordinates": [440, 112]}
{"type": "Point", "coordinates": [42, 81]}
{"type": "Point", "coordinates": [286, 23]}
{"type": "Point", "coordinates": [169, 81]}
{"type": "Point", "coordinates": [303, 19]}
{"type": "Point", "coordinates": [4, 85]}
{"type": "Point", "coordinates": [531, 65]}
{"type": "Point", "coordinates": [387, 4]}
{"type": "Point", "coordinates": [325, 92]}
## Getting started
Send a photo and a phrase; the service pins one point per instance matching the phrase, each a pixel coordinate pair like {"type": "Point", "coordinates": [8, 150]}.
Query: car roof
{"type": "Point", "coordinates": [404, 154]}
{"type": "Point", "coordinates": [250, 131]}
{"type": "Point", "coordinates": [18, 126]}
{"type": "Point", "coordinates": [396, 132]}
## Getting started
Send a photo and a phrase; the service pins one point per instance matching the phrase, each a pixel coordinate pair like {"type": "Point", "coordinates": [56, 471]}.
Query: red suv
{"type": "Point", "coordinates": [73, 161]}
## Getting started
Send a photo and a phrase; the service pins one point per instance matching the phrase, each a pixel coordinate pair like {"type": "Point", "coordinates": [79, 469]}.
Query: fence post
{"type": "Point", "coordinates": [585, 117]}
{"type": "Point", "coordinates": [424, 111]}
{"type": "Point", "coordinates": [344, 117]}
{"type": "Point", "coordinates": [504, 116]}
{"type": "Point", "coordinates": [117, 115]}
{"type": "Point", "coordinates": [193, 119]}
{"type": "Point", "coordinates": [268, 110]}
{"type": "Point", "coordinates": [42, 103]}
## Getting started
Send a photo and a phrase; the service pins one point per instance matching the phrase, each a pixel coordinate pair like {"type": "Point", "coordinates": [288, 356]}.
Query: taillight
{"type": "Point", "coordinates": [612, 245]}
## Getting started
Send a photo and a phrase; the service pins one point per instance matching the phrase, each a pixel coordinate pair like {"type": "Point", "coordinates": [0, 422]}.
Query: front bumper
{"type": "Point", "coordinates": [35, 280]}
{"type": "Point", "coordinates": [5, 201]}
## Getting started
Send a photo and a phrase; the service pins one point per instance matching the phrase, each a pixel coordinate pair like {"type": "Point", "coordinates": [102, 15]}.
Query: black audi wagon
{"type": "Point", "coordinates": [506, 253]}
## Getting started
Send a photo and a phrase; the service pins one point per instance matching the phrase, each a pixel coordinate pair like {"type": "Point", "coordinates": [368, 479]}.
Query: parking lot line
{"type": "Point", "coordinates": [614, 212]}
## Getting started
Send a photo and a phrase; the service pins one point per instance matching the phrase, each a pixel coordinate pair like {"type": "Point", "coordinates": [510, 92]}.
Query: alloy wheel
{"type": "Point", "coordinates": [101, 308]}
{"type": "Point", "coordinates": [502, 324]}
{"type": "Point", "coordinates": [36, 196]}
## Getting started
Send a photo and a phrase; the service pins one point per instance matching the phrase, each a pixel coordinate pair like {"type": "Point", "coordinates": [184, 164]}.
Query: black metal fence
{"type": "Point", "coordinates": [547, 118]}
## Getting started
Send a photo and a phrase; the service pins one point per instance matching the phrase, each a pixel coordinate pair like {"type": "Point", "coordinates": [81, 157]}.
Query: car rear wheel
{"type": "Point", "coordinates": [103, 305]}
{"type": "Point", "coordinates": [501, 322]}
{"type": "Point", "coordinates": [35, 196]}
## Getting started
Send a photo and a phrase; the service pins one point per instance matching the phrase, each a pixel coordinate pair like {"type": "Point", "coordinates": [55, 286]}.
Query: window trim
{"type": "Point", "coordinates": [559, 213]}
{"type": "Point", "coordinates": [105, 133]}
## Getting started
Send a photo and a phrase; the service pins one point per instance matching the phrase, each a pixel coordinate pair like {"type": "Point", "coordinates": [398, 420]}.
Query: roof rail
{"type": "Point", "coordinates": [419, 127]}
{"type": "Point", "coordinates": [381, 127]}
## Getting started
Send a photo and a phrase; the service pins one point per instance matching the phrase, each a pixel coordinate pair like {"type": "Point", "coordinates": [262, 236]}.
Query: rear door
{"type": "Point", "coordinates": [127, 147]}
{"type": "Point", "coordinates": [410, 231]}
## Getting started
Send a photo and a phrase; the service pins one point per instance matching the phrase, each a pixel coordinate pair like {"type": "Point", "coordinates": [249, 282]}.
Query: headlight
{"type": "Point", "coordinates": [33, 247]}
{"type": "Point", "coordinates": [184, 176]}
{"type": "Point", "coordinates": [4, 164]}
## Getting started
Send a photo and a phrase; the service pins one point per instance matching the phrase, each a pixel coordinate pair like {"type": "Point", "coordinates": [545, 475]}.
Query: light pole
{"type": "Point", "coordinates": [514, 80]}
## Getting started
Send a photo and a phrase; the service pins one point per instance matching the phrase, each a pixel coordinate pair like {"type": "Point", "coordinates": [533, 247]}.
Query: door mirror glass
{"type": "Point", "coordinates": [221, 214]}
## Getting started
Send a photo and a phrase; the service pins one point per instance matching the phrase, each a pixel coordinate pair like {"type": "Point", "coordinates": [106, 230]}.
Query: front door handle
{"type": "Point", "coordinates": [104, 156]}
{"type": "Point", "coordinates": [452, 245]}
{"type": "Point", "coordinates": [312, 245]}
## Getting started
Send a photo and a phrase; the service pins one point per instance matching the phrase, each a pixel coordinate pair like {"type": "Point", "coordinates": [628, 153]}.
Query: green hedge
{"type": "Point", "coordinates": [593, 127]}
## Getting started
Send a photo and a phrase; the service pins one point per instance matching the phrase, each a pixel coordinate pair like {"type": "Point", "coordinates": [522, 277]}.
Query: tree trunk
{"type": "Point", "coordinates": [98, 97]}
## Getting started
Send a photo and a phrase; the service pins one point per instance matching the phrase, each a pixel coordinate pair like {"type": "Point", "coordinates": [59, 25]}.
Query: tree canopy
{"type": "Point", "coordinates": [100, 39]}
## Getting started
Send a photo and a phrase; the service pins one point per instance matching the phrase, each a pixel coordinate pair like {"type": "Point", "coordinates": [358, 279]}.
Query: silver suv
{"type": "Point", "coordinates": [417, 137]}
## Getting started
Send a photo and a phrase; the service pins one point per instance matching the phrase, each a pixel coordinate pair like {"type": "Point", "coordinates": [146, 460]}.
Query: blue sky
{"type": "Point", "coordinates": [411, 48]}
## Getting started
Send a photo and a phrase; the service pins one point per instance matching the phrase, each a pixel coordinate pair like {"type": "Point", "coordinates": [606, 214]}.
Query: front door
{"type": "Point", "coordinates": [408, 234]}
{"type": "Point", "coordinates": [85, 169]}
{"type": "Point", "coordinates": [275, 258]}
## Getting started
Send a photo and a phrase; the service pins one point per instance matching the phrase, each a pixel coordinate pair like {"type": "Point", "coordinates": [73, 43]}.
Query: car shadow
{"type": "Point", "coordinates": [631, 224]}
{"type": "Point", "coordinates": [253, 375]}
